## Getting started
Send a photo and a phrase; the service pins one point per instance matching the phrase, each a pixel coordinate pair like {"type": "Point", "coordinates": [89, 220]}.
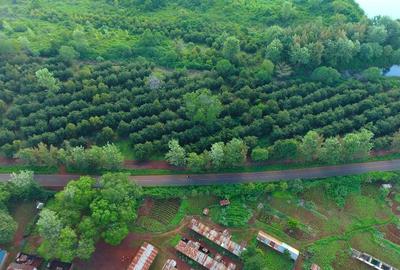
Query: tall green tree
{"type": "Point", "coordinates": [235, 153]}
{"type": "Point", "coordinates": [8, 227]}
{"type": "Point", "coordinates": [231, 48]}
{"type": "Point", "coordinates": [217, 155]}
{"type": "Point", "coordinates": [24, 184]}
{"type": "Point", "coordinates": [331, 151]}
{"type": "Point", "coordinates": [176, 154]}
{"type": "Point", "coordinates": [310, 146]}
{"type": "Point", "coordinates": [46, 80]}
{"type": "Point", "coordinates": [285, 149]}
{"type": "Point", "coordinates": [202, 107]}
{"type": "Point", "coordinates": [357, 145]}
{"type": "Point", "coordinates": [274, 51]}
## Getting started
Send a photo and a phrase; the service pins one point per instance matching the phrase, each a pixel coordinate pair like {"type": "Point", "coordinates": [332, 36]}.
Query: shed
{"type": "Point", "coordinates": [225, 202]}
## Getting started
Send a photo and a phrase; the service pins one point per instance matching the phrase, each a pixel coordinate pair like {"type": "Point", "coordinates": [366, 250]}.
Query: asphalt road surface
{"type": "Point", "coordinates": [57, 181]}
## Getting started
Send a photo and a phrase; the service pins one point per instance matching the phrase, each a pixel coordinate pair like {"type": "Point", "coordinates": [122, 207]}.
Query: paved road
{"type": "Point", "coordinates": [59, 181]}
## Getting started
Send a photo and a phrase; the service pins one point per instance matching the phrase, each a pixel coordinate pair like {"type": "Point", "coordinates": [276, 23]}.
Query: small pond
{"type": "Point", "coordinates": [394, 71]}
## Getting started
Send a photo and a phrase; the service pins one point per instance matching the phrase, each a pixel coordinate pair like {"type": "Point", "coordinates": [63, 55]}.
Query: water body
{"type": "Point", "coordinates": [381, 7]}
{"type": "Point", "coordinates": [393, 72]}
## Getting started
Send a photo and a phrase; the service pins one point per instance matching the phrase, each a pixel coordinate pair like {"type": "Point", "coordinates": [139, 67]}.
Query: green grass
{"type": "Point", "coordinates": [197, 204]}
{"type": "Point", "coordinates": [237, 214]}
{"type": "Point", "coordinates": [174, 240]}
{"type": "Point", "coordinates": [325, 252]}
{"type": "Point", "coordinates": [397, 198]}
{"type": "Point", "coordinates": [275, 260]}
{"type": "Point", "coordinates": [17, 168]}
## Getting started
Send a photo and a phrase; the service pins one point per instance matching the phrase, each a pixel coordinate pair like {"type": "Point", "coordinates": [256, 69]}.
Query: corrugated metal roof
{"type": "Point", "coordinates": [170, 265]}
{"type": "Point", "coordinates": [144, 258]}
{"type": "Point", "coordinates": [277, 245]}
{"type": "Point", "coordinates": [223, 239]}
{"type": "Point", "coordinates": [192, 250]}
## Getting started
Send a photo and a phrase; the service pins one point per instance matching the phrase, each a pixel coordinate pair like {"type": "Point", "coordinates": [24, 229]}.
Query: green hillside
{"type": "Point", "coordinates": [88, 72]}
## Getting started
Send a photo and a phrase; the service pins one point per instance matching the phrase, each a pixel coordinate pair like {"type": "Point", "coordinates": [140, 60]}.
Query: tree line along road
{"type": "Point", "coordinates": [57, 181]}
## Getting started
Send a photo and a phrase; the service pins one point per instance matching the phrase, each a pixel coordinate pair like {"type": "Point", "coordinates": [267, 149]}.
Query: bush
{"type": "Point", "coordinates": [259, 154]}
{"type": "Point", "coordinates": [372, 74]}
{"type": "Point", "coordinates": [326, 75]}
{"type": "Point", "coordinates": [7, 227]}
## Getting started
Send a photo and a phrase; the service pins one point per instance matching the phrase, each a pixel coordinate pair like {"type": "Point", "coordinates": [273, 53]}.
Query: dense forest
{"type": "Point", "coordinates": [82, 73]}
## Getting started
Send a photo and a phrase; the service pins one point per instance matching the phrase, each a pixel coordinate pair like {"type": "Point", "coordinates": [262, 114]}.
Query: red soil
{"type": "Point", "coordinates": [9, 161]}
{"type": "Point", "coordinates": [146, 207]}
{"type": "Point", "coordinates": [110, 257]}
{"type": "Point", "coordinates": [393, 233]}
{"type": "Point", "coordinates": [155, 164]}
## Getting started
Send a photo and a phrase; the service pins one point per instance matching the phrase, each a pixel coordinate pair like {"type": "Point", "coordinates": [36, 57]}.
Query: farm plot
{"type": "Point", "coordinates": [160, 216]}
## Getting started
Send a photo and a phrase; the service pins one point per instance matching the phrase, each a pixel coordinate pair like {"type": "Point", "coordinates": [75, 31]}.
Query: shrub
{"type": "Point", "coordinates": [259, 154]}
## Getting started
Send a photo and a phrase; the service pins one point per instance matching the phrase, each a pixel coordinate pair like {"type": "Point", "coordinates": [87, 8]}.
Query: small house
{"type": "Point", "coordinates": [277, 245]}
{"type": "Point", "coordinates": [25, 261]}
{"type": "Point", "coordinates": [206, 211]}
{"type": "Point", "coordinates": [370, 260]}
{"type": "Point", "coordinates": [315, 267]}
{"type": "Point", "coordinates": [144, 257]}
{"type": "Point", "coordinates": [225, 202]}
{"type": "Point", "coordinates": [170, 264]}
{"type": "Point", "coordinates": [57, 265]}
{"type": "Point", "coordinates": [201, 255]}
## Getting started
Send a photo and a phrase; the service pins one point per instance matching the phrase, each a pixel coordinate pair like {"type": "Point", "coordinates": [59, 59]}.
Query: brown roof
{"type": "Point", "coordinates": [192, 250]}
{"type": "Point", "coordinates": [170, 264]}
{"type": "Point", "coordinates": [17, 266]}
{"type": "Point", "coordinates": [224, 202]}
{"type": "Point", "coordinates": [222, 239]}
{"type": "Point", "coordinates": [144, 258]}
{"type": "Point", "coordinates": [25, 261]}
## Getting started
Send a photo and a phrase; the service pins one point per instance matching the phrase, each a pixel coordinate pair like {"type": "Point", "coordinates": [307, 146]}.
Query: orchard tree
{"type": "Point", "coordinates": [46, 80]}
{"type": "Point", "coordinates": [224, 67]}
{"type": "Point", "coordinates": [274, 51]}
{"type": "Point", "coordinates": [265, 71]}
{"type": "Point", "coordinates": [372, 74]}
{"type": "Point", "coordinates": [202, 107]}
{"type": "Point", "coordinates": [231, 48]}
{"type": "Point", "coordinates": [67, 54]}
